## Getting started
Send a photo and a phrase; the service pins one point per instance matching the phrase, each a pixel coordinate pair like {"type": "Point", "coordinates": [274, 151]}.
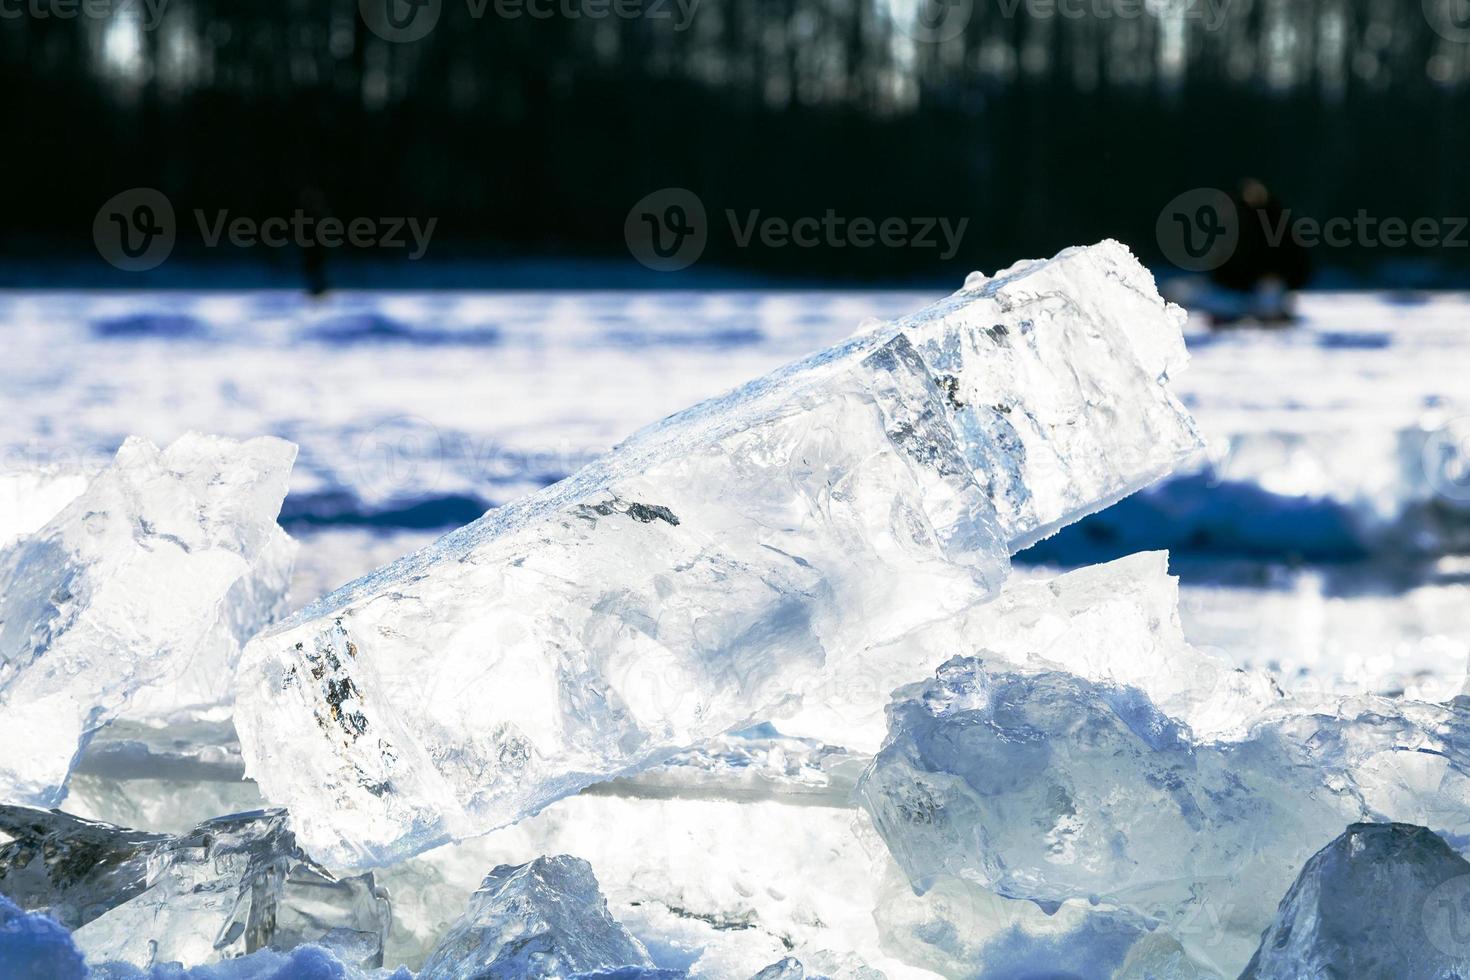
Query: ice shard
{"type": "Point", "coordinates": [136, 596]}
{"type": "Point", "coordinates": [537, 921]}
{"type": "Point", "coordinates": [32, 495]}
{"type": "Point", "coordinates": [36, 947]}
{"type": "Point", "coordinates": [233, 885]}
{"type": "Point", "coordinates": [1049, 787]}
{"type": "Point", "coordinates": [1382, 900]}
{"type": "Point", "coordinates": [166, 779]}
{"type": "Point", "coordinates": [824, 965]}
{"type": "Point", "coordinates": [1117, 622]}
{"type": "Point", "coordinates": [717, 564]}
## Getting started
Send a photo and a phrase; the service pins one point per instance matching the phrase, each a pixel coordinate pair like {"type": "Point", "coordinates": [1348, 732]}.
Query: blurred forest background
{"type": "Point", "coordinates": [529, 138]}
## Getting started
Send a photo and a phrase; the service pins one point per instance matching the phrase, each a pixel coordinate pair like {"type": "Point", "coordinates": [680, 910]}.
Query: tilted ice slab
{"type": "Point", "coordinates": [1047, 786]}
{"type": "Point", "coordinates": [136, 597]}
{"type": "Point", "coordinates": [1382, 900]}
{"type": "Point", "coordinates": [231, 886]}
{"type": "Point", "coordinates": [543, 919]}
{"type": "Point", "coordinates": [717, 564]}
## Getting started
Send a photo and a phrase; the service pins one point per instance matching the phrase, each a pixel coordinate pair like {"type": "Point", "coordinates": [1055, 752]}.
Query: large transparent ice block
{"type": "Point", "coordinates": [717, 565]}
{"type": "Point", "coordinates": [136, 596]}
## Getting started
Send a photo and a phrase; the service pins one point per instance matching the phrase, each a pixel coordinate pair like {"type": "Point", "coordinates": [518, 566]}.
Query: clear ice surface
{"type": "Point", "coordinates": [36, 947]}
{"type": "Point", "coordinates": [1383, 900]}
{"type": "Point", "coordinates": [135, 598]}
{"type": "Point", "coordinates": [31, 496]}
{"type": "Point", "coordinates": [717, 565]}
{"type": "Point", "coordinates": [167, 779]}
{"type": "Point", "coordinates": [234, 885]}
{"type": "Point", "coordinates": [1048, 786]}
{"type": "Point", "coordinates": [1116, 622]}
{"type": "Point", "coordinates": [544, 920]}
{"type": "Point", "coordinates": [824, 965]}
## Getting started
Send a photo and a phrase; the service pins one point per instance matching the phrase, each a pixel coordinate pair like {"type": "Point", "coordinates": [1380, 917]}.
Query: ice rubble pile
{"type": "Point", "coordinates": [692, 645]}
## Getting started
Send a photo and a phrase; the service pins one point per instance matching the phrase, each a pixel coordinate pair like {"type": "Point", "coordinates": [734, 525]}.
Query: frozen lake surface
{"type": "Point", "coordinates": [1320, 539]}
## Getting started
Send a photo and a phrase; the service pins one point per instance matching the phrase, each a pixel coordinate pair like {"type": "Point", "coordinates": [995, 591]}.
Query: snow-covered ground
{"type": "Point", "coordinates": [1323, 537]}
{"type": "Point", "coordinates": [1311, 541]}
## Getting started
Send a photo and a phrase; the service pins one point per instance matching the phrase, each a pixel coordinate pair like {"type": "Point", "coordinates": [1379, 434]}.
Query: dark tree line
{"type": "Point", "coordinates": [534, 135]}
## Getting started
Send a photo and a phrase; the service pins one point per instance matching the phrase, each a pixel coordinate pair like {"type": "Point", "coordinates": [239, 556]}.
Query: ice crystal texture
{"type": "Point", "coordinates": [36, 947]}
{"type": "Point", "coordinates": [543, 920]}
{"type": "Point", "coordinates": [165, 778]}
{"type": "Point", "coordinates": [1048, 786]}
{"type": "Point", "coordinates": [1382, 900]}
{"type": "Point", "coordinates": [135, 598]}
{"type": "Point", "coordinates": [717, 565]}
{"type": "Point", "coordinates": [233, 885]}
{"type": "Point", "coordinates": [1117, 622]}
{"type": "Point", "coordinates": [31, 496]}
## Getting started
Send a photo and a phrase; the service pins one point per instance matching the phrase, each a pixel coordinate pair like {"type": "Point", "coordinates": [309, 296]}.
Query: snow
{"type": "Point", "coordinates": [1315, 544]}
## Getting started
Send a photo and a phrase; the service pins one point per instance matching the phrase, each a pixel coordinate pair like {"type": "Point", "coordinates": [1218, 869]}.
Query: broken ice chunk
{"type": "Point", "coordinates": [758, 763]}
{"type": "Point", "coordinates": [233, 885]}
{"type": "Point", "coordinates": [956, 926]}
{"type": "Point", "coordinates": [1117, 622]}
{"type": "Point", "coordinates": [35, 947]}
{"type": "Point", "coordinates": [1382, 900]}
{"type": "Point", "coordinates": [29, 497]}
{"type": "Point", "coordinates": [203, 686]}
{"type": "Point", "coordinates": [536, 921]}
{"type": "Point", "coordinates": [715, 566]}
{"type": "Point", "coordinates": [822, 965]}
{"type": "Point", "coordinates": [151, 577]}
{"type": "Point", "coordinates": [167, 779]}
{"type": "Point", "coordinates": [1050, 787]}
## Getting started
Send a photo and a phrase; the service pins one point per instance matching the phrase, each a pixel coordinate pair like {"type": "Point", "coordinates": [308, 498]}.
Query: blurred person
{"type": "Point", "coordinates": [313, 202]}
{"type": "Point", "coordinates": [1267, 266]}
